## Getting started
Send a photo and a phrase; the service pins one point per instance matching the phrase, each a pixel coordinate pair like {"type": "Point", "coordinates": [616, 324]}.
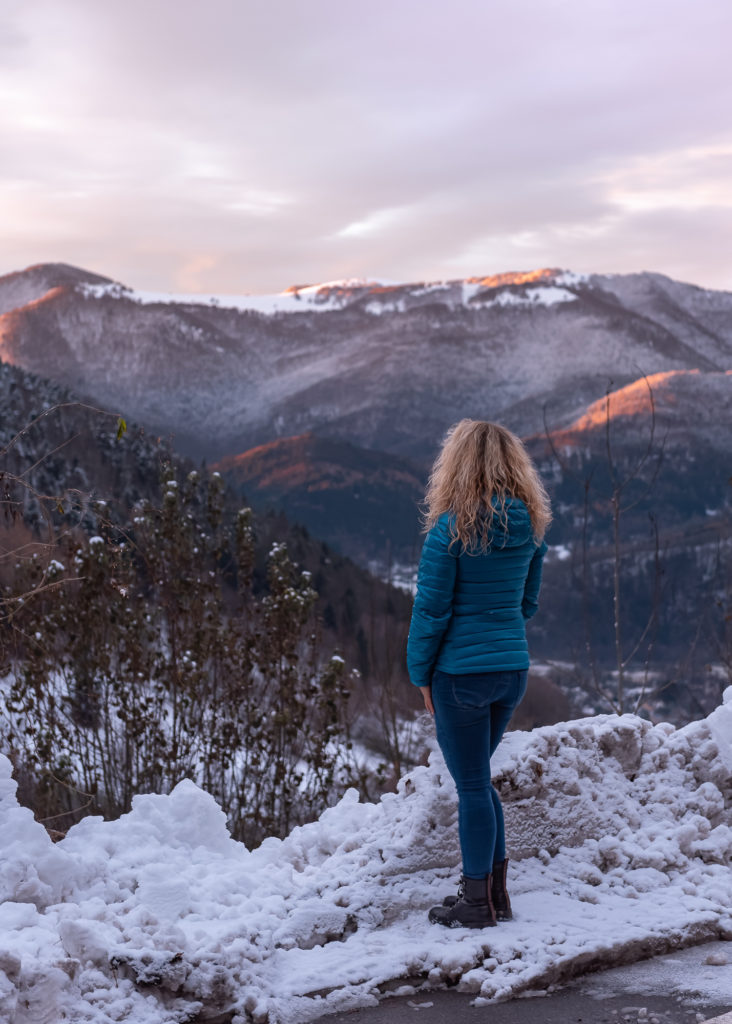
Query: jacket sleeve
{"type": "Point", "coordinates": [432, 603]}
{"type": "Point", "coordinates": [530, 603]}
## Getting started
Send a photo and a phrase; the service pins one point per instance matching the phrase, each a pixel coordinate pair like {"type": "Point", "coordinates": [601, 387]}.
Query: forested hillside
{"type": "Point", "coordinates": [153, 629]}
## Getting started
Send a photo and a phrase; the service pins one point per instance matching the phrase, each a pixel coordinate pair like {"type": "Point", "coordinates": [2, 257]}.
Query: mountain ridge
{"type": "Point", "coordinates": [224, 379]}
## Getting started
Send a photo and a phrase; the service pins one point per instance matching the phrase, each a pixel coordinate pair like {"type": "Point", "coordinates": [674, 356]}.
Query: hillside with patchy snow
{"type": "Point", "coordinates": [621, 839]}
{"type": "Point", "coordinates": [225, 373]}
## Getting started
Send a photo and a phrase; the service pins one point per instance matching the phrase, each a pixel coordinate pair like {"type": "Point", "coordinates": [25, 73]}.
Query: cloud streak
{"type": "Point", "coordinates": [240, 146]}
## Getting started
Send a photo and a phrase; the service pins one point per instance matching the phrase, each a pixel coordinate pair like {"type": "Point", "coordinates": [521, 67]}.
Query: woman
{"type": "Point", "coordinates": [486, 512]}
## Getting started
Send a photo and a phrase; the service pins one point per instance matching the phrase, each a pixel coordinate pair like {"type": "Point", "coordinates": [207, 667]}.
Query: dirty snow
{"type": "Point", "coordinates": [699, 975]}
{"type": "Point", "coordinates": [620, 834]}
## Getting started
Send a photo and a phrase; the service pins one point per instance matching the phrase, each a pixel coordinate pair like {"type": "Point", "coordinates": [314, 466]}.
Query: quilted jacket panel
{"type": "Point", "coordinates": [471, 607]}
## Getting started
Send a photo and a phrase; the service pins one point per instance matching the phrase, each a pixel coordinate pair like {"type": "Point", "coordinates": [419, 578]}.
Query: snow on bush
{"type": "Point", "coordinates": [621, 834]}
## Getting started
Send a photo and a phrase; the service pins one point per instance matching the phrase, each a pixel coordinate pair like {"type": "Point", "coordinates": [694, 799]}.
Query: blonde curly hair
{"type": "Point", "coordinates": [480, 462]}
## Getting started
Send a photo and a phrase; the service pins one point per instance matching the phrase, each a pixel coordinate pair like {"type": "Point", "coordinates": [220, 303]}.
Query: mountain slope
{"type": "Point", "coordinates": [386, 367]}
{"type": "Point", "coordinates": [26, 286]}
{"type": "Point", "coordinates": [360, 501]}
{"type": "Point", "coordinates": [687, 406]}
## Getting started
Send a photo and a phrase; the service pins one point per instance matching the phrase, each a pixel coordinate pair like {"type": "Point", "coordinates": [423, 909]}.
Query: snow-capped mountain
{"type": "Point", "coordinates": [386, 366]}
{"type": "Point", "coordinates": [373, 373]}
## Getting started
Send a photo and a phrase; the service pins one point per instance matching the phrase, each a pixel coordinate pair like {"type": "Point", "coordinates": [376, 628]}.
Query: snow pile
{"type": "Point", "coordinates": [621, 833]}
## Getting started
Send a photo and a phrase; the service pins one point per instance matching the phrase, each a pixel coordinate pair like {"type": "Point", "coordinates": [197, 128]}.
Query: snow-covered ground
{"type": "Point", "coordinates": [335, 295]}
{"type": "Point", "coordinates": [620, 831]}
{"type": "Point", "coordinates": [329, 296]}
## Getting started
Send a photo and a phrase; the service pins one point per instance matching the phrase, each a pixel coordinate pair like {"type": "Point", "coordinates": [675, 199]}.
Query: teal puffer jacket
{"type": "Point", "coordinates": [471, 607]}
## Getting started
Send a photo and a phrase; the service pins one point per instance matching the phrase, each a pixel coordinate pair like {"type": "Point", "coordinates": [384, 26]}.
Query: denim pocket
{"type": "Point", "coordinates": [481, 689]}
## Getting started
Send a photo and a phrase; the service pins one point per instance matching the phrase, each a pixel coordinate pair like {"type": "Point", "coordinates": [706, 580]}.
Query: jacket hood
{"type": "Point", "coordinates": [509, 530]}
{"type": "Point", "coordinates": [512, 529]}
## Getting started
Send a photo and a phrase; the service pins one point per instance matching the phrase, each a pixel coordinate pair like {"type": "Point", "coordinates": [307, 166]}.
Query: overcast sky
{"type": "Point", "coordinates": [238, 146]}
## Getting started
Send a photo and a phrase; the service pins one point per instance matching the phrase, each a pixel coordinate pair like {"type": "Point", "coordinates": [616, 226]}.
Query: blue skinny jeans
{"type": "Point", "coordinates": [471, 715]}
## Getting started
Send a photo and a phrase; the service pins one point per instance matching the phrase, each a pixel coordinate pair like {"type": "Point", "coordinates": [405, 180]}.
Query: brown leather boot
{"type": "Point", "coordinates": [499, 893]}
{"type": "Point", "coordinates": [474, 908]}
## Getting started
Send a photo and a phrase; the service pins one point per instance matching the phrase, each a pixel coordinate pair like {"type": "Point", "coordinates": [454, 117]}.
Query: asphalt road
{"type": "Point", "coordinates": [679, 988]}
{"type": "Point", "coordinates": [565, 1007]}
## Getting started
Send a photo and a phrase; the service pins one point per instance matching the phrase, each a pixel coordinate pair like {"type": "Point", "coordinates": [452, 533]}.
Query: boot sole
{"type": "Point", "coordinates": [450, 901]}
{"type": "Point", "coordinates": [460, 924]}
